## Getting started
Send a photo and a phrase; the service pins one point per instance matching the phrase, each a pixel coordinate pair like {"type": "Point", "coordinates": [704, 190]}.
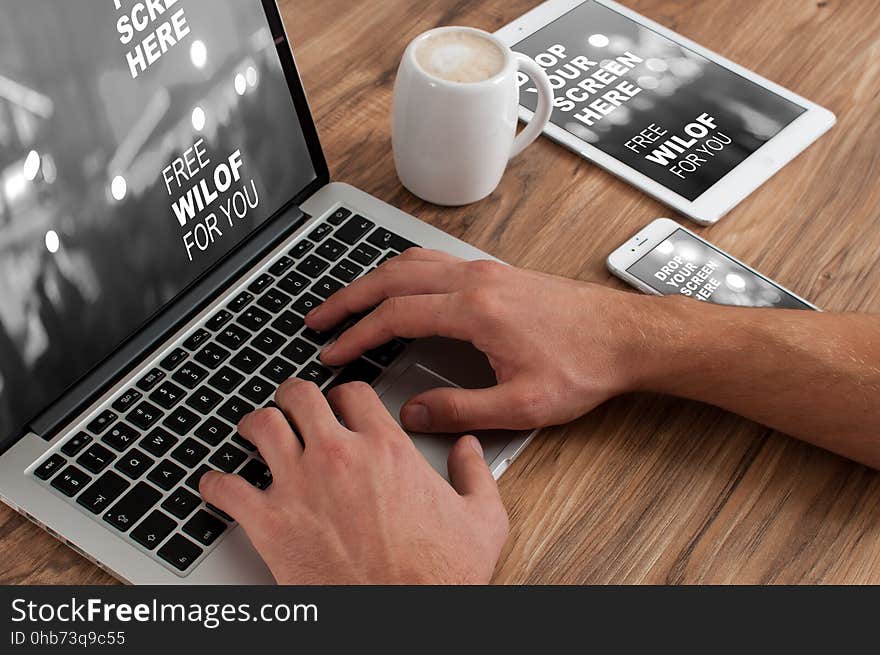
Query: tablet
{"type": "Point", "coordinates": [683, 124]}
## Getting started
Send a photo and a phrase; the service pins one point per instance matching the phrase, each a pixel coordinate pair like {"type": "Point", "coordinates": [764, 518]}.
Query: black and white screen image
{"type": "Point", "coordinates": [139, 143]}
{"type": "Point", "coordinates": [685, 265]}
{"type": "Point", "coordinates": [660, 108]}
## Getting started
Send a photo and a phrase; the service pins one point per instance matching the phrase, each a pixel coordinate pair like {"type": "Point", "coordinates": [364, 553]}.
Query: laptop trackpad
{"type": "Point", "coordinates": [435, 447]}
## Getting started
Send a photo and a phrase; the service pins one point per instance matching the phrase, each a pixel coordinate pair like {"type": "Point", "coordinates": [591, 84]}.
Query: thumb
{"type": "Point", "coordinates": [448, 409]}
{"type": "Point", "coordinates": [468, 472]}
{"type": "Point", "coordinates": [235, 496]}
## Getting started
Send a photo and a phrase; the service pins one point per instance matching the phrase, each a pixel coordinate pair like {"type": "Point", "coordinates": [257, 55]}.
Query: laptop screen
{"type": "Point", "coordinates": [140, 142]}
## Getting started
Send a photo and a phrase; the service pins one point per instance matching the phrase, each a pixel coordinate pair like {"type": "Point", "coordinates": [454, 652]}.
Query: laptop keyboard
{"type": "Point", "coordinates": [136, 465]}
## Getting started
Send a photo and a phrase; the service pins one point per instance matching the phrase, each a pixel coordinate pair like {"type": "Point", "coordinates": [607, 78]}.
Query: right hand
{"type": "Point", "coordinates": [558, 347]}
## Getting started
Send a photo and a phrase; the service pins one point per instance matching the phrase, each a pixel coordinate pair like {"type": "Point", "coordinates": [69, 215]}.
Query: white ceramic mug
{"type": "Point", "coordinates": [452, 140]}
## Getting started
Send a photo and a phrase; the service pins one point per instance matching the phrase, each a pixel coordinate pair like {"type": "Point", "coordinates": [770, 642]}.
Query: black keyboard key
{"type": "Point", "coordinates": [204, 527]}
{"type": "Point", "coordinates": [306, 303]}
{"type": "Point", "coordinates": [235, 409]}
{"type": "Point", "coordinates": [364, 254]}
{"type": "Point", "coordinates": [158, 442]}
{"type": "Point", "coordinates": [226, 380]}
{"type": "Point", "coordinates": [257, 389]}
{"type": "Point", "coordinates": [189, 375]}
{"type": "Point", "coordinates": [241, 301]}
{"type": "Point", "coordinates": [96, 458]}
{"type": "Point", "coordinates": [132, 506]}
{"type": "Point", "coordinates": [219, 319]}
{"type": "Point", "coordinates": [76, 444]}
{"type": "Point", "coordinates": [227, 458]}
{"type": "Point", "coordinates": [181, 503]}
{"type": "Point", "coordinates": [102, 421]}
{"type": "Point", "coordinates": [321, 232]}
{"type": "Point", "coordinates": [293, 283]}
{"type": "Point", "coordinates": [354, 230]}
{"type": "Point", "coordinates": [181, 421]}
{"type": "Point", "coordinates": [247, 360]}
{"type": "Point", "coordinates": [167, 395]}
{"type": "Point", "coordinates": [326, 287]}
{"type": "Point", "coordinates": [386, 354]}
{"type": "Point", "coordinates": [166, 474]}
{"type": "Point", "coordinates": [278, 370]}
{"type": "Point", "coordinates": [134, 463]}
{"type": "Point", "coordinates": [144, 415]}
{"type": "Point", "coordinates": [127, 400]}
{"type": "Point", "coordinates": [281, 266]}
{"type": "Point", "coordinates": [257, 473]}
{"type": "Point", "coordinates": [331, 250]}
{"type": "Point", "coordinates": [316, 373]}
{"type": "Point", "coordinates": [299, 351]}
{"type": "Point", "coordinates": [358, 371]}
{"type": "Point", "coordinates": [190, 453]}
{"type": "Point", "coordinates": [193, 480]}
{"type": "Point", "coordinates": [244, 443]}
{"type": "Point", "coordinates": [288, 323]}
{"type": "Point", "coordinates": [319, 338]}
{"type": "Point", "coordinates": [262, 283]}
{"type": "Point", "coordinates": [213, 431]}
{"type": "Point", "coordinates": [274, 300]}
{"type": "Point", "coordinates": [312, 266]}
{"type": "Point", "coordinates": [180, 552]}
{"type": "Point", "coordinates": [121, 437]}
{"type": "Point", "coordinates": [268, 342]}
{"type": "Point", "coordinates": [254, 319]}
{"type": "Point", "coordinates": [212, 355]}
{"type": "Point", "coordinates": [151, 379]}
{"type": "Point", "coordinates": [152, 530]}
{"type": "Point", "coordinates": [197, 339]}
{"type": "Point", "coordinates": [233, 337]}
{"type": "Point", "coordinates": [300, 249]}
{"type": "Point", "coordinates": [346, 270]}
{"type": "Point", "coordinates": [387, 240]}
{"type": "Point", "coordinates": [174, 359]}
{"type": "Point", "coordinates": [219, 512]}
{"type": "Point", "coordinates": [103, 491]}
{"type": "Point", "coordinates": [337, 217]}
{"type": "Point", "coordinates": [204, 400]}
{"type": "Point", "coordinates": [50, 467]}
{"type": "Point", "coordinates": [71, 481]}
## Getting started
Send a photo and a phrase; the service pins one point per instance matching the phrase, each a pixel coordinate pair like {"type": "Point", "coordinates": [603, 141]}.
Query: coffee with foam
{"type": "Point", "coordinates": [460, 56]}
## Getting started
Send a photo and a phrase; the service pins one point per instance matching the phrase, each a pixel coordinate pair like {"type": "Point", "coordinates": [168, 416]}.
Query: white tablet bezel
{"type": "Point", "coordinates": [734, 187]}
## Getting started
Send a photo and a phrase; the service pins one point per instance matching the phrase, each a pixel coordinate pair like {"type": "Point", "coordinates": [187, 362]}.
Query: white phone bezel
{"type": "Point", "coordinates": [734, 187]}
{"type": "Point", "coordinates": [651, 236]}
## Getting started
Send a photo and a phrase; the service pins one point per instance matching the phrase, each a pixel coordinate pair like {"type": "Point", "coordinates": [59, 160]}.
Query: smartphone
{"type": "Point", "coordinates": [666, 259]}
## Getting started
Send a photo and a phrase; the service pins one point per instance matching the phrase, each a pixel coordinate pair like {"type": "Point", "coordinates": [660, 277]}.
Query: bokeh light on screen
{"type": "Point", "coordinates": [666, 248]}
{"type": "Point", "coordinates": [251, 75]}
{"type": "Point", "coordinates": [198, 53]}
{"type": "Point", "coordinates": [199, 119]}
{"type": "Point", "coordinates": [735, 282]}
{"type": "Point", "coordinates": [53, 242]}
{"type": "Point", "coordinates": [32, 166]}
{"type": "Point", "coordinates": [240, 84]}
{"type": "Point", "coordinates": [118, 188]}
{"type": "Point", "coordinates": [598, 41]}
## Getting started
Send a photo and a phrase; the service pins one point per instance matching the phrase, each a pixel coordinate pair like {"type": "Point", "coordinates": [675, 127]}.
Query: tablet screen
{"type": "Point", "coordinates": [652, 104]}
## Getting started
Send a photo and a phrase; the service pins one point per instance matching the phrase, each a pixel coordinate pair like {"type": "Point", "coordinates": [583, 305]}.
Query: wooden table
{"type": "Point", "coordinates": [646, 489]}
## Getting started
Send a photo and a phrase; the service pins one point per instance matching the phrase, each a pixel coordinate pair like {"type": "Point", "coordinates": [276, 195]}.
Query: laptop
{"type": "Point", "coordinates": [166, 220]}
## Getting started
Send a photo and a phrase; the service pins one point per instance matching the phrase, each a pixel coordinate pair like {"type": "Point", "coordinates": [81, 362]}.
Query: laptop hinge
{"type": "Point", "coordinates": [163, 325]}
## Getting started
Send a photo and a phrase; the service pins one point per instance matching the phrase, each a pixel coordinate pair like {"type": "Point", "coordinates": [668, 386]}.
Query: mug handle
{"type": "Point", "coordinates": [545, 104]}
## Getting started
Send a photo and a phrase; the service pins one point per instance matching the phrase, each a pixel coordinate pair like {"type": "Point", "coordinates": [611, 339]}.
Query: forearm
{"type": "Point", "coordinates": [812, 375]}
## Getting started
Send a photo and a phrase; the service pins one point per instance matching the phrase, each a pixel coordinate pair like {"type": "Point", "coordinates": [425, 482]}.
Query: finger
{"type": "Point", "coordinates": [361, 410]}
{"type": "Point", "coordinates": [235, 496]}
{"type": "Point", "coordinates": [448, 409]}
{"type": "Point", "coordinates": [307, 409]}
{"type": "Point", "coordinates": [410, 317]}
{"type": "Point", "coordinates": [395, 278]}
{"type": "Point", "coordinates": [468, 472]}
{"type": "Point", "coordinates": [270, 432]}
{"type": "Point", "coordinates": [424, 254]}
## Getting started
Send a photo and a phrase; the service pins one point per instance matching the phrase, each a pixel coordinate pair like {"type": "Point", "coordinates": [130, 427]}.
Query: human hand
{"type": "Point", "coordinates": [359, 504]}
{"type": "Point", "coordinates": [558, 347]}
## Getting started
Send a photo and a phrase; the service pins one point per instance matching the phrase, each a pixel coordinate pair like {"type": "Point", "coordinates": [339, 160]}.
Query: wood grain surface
{"type": "Point", "coordinates": [646, 489]}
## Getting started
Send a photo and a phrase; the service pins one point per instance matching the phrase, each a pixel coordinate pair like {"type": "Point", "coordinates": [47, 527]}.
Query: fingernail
{"type": "Point", "coordinates": [416, 417]}
{"type": "Point", "coordinates": [475, 444]}
{"type": "Point", "coordinates": [328, 349]}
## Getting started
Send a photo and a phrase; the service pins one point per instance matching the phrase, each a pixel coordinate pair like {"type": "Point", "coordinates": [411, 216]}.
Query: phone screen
{"type": "Point", "coordinates": [683, 264]}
